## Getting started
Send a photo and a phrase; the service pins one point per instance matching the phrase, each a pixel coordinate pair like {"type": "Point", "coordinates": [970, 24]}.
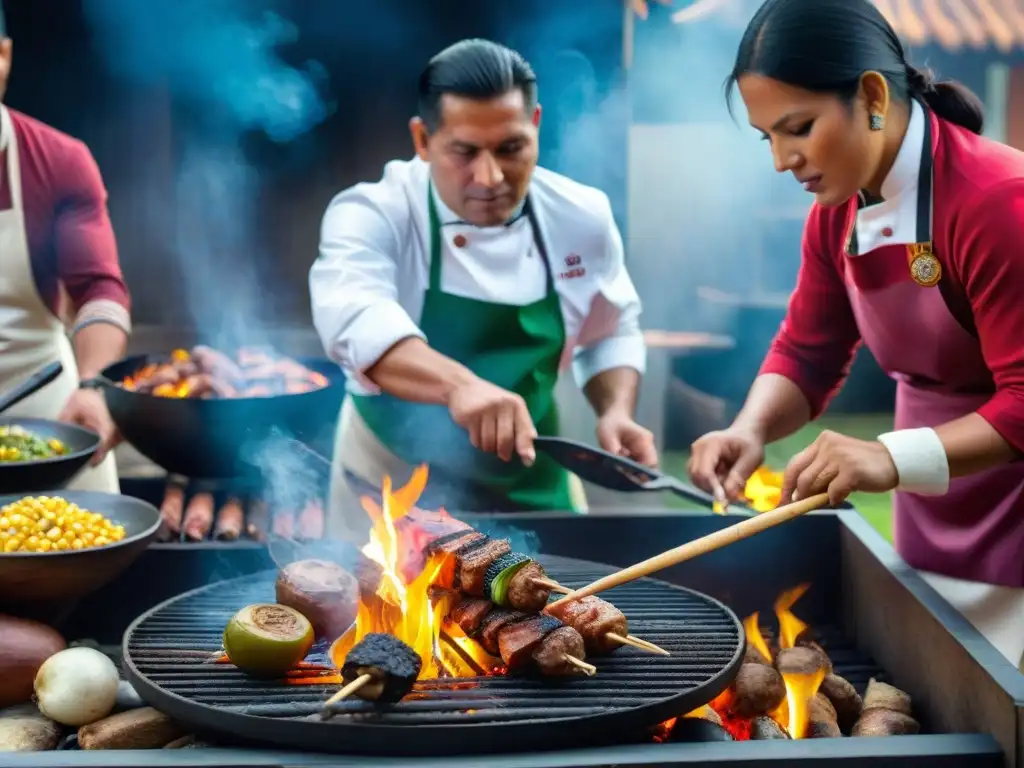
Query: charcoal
{"type": "Point", "coordinates": [393, 664]}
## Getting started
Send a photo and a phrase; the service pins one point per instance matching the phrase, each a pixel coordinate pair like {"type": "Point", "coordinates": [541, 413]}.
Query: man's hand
{"type": "Point", "coordinates": [617, 433]}
{"type": "Point", "coordinates": [497, 420]}
{"type": "Point", "coordinates": [87, 408]}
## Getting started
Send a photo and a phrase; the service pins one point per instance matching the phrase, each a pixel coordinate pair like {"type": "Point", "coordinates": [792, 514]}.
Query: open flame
{"type": "Point", "coordinates": [404, 603]}
{"type": "Point", "coordinates": [764, 489]}
{"type": "Point", "coordinates": [793, 714]}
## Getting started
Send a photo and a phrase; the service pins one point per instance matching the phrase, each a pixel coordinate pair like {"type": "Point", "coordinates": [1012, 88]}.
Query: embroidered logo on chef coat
{"type": "Point", "coordinates": [573, 260]}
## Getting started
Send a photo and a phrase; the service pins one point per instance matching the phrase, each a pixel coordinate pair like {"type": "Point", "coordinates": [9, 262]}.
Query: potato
{"type": "Point", "coordinates": [757, 690]}
{"type": "Point", "coordinates": [844, 698]}
{"type": "Point", "coordinates": [800, 661]}
{"type": "Point", "coordinates": [885, 722]}
{"type": "Point", "coordinates": [884, 696]}
{"type": "Point", "coordinates": [24, 646]}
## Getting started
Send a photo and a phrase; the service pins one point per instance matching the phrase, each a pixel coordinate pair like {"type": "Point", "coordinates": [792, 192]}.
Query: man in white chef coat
{"type": "Point", "coordinates": [455, 289]}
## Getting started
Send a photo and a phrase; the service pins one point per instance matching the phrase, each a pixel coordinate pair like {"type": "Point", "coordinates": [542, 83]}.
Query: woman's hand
{"type": "Point", "coordinates": [725, 460]}
{"type": "Point", "coordinates": [839, 465]}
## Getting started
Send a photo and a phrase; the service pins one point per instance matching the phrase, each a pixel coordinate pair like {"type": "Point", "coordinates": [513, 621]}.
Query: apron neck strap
{"type": "Point", "coordinates": [435, 240]}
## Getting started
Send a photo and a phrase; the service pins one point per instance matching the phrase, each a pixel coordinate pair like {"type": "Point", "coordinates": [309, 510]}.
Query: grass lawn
{"type": "Point", "coordinates": [876, 508]}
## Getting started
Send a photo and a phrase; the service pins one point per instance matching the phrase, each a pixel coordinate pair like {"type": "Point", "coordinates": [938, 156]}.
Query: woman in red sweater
{"type": "Point", "coordinates": [914, 247]}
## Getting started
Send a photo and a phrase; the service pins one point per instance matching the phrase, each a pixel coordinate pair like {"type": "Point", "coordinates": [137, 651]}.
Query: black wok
{"type": "Point", "coordinates": [219, 438]}
{"type": "Point", "coordinates": [48, 474]}
{"type": "Point", "coordinates": [27, 577]}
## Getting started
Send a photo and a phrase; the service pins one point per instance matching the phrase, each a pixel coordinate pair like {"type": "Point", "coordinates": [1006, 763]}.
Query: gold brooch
{"type": "Point", "coordinates": [924, 267]}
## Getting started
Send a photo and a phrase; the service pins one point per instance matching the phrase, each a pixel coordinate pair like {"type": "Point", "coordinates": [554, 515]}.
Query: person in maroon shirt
{"type": "Point", "coordinates": [913, 247]}
{"type": "Point", "coordinates": [62, 294]}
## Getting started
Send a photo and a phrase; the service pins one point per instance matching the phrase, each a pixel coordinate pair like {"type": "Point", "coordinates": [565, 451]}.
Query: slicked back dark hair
{"type": "Point", "coordinates": [474, 69]}
{"type": "Point", "coordinates": [827, 45]}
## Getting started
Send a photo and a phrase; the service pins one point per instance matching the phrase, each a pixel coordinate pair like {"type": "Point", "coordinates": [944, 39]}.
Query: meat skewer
{"type": "Point", "coordinates": [258, 522]}
{"type": "Point", "coordinates": [199, 516]}
{"type": "Point", "coordinates": [311, 521]}
{"type": "Point", "coordinates": [602, 626]}
{"type": "Point", "coordinates": [230, 520]}
{"type": "Point", "coordinates": [486, 567]}
{"type": "Point", "coordinates": [521, 639]}
{"type": "Point", "coordinates": [172, 509]}
{"type": "Point", "coordinates": [379, 668]}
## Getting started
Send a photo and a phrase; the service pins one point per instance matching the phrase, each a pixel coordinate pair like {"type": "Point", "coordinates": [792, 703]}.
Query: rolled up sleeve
{"type": "Point", "coordinates": [353, 284]}
{"type": "Point", "coordinates": [624, 347]}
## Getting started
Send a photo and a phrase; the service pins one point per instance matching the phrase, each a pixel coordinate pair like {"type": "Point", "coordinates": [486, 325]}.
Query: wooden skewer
{"type": "Point", "coordinates": [697, 547]}
{"type": "Point", "coordinates": [588, 669]}
{"type": "Point", "coordinates": [326, 713]}
{"type": "Point", "coordinates": [636, 642]}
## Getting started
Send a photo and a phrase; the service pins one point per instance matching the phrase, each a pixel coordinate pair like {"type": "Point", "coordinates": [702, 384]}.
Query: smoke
{"type": "Point", "coordinates": [693, 190]}
{"type": "Point", "coordinates": [221, 62]}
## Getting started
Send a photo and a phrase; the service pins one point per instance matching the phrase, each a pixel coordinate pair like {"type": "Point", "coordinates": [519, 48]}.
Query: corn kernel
{"type": "Point", "coordinates": [48, 523]}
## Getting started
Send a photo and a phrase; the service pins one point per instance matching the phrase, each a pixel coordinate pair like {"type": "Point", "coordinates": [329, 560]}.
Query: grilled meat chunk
{"type": "Point", "coordinates": [550, 655]}
{"type": "Point", "coordinates": [594, 618]}
{"type": "Point", "coordinates": [451, 543]}
{"type": "Point", "coordinates": [516, 642]}
{"type": "Point", "coordinates": [490, 628]}
{"type": "Point", "coordinates": [523, 594]}
{"type": "Point", "coordinates": [393, 665]}
{"type": "Point", "coordinates": [473, 562]}
{"type": "Point", "coordinates": [469, 613]}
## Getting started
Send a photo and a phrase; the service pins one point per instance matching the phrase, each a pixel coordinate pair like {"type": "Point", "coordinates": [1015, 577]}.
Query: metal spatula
{"type": "Point", "coordinates": [30, 386]}
{"type": "Point", "coordinates": [617, 473]}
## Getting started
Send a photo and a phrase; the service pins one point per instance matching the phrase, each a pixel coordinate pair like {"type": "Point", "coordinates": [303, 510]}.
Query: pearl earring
{"type": "Point", "coordinates": [877, 121]}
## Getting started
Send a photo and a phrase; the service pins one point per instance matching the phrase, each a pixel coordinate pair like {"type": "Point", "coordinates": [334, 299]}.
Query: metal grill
{"type": "Point", "coordinates": [167, 652]}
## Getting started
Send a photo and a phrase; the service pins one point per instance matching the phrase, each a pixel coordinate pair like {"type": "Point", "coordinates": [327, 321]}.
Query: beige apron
{"type": "Point", "coordinates": [359, 452]}
{"type": "Point", "coordinates": [31, 336]}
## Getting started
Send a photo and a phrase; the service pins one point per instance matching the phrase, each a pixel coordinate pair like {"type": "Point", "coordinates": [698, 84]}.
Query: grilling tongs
{"type": "Point", "coordinates": [617, 473]}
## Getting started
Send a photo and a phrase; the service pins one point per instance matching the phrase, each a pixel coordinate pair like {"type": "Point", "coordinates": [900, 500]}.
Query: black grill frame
{"type": "Point", "coordinates": [712, 625]}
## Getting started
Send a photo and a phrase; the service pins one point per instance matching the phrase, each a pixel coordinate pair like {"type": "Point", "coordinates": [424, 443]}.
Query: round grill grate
{"type": "Point", "coordinates": [167, 652]}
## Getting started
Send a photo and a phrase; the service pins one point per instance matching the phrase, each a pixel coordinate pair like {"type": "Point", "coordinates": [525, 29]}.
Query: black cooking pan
{"type": "Point", "coordinates": [27, 577]}
{"type": "Point", "coordinates": [44, 474]}
{"type": "Point", "coordinates": [219, 438]}
{"type": "Point", "coordinates": [618, 473]}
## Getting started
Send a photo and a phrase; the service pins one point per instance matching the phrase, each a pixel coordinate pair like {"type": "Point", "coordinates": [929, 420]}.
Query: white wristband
{"type": "Point", "coordinates": [920, 460]}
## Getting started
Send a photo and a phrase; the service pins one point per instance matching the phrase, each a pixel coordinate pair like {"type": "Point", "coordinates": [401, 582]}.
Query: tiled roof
{"type": "Point", "coordinates": [953, 24]}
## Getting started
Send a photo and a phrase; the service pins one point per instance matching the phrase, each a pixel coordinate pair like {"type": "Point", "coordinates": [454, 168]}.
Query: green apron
{"type": "Point", "coordinates": [517, 348]}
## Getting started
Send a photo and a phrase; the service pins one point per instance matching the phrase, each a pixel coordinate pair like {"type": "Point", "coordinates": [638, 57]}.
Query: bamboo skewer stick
{"type": "Point", "coordinates": [327, 711]}
{"type": "Point", "coordinates": [636, 642]}
{"type": "Point", "coordinates": [701, 546]}
{"type": "Point", "coordinates": [588, 669]}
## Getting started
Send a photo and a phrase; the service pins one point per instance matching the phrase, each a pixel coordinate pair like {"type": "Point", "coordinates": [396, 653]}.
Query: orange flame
{"type": "Point", "coordinates": [754, 636]}
{"type": "Point", "coordinates": [793, 714]}
{"type": "Point", "coordinates": [764, 489]}
{"type": "Point", "coordinates": [790, 627]}
{"type": "Point", "coordinates": [405, 606]}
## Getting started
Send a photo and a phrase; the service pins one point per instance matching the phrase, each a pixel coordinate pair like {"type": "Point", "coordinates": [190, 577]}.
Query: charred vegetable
{"type": "Point", "coordinates": [323, 592]}
{"type": "Point", "coordinates": [267, 640]}
{"type": "Point", "coordinates": [499, 574]}
{"type": "Point", "coordinates": [391, 664]}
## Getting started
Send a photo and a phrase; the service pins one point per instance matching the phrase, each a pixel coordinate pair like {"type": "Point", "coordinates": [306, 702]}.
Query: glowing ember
{"type": "Point", "coordinates": [793, 713]}
{"type": "Point", "coordinates": [205, 373]}
{"type": "Point", "coordinates": [764, 489]}
{"type": "Point", "coordinates": [404, 605]}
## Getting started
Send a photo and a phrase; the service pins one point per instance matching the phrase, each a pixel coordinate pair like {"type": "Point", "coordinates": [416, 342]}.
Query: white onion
{"type": "Point", "coordinates": [76, 686]}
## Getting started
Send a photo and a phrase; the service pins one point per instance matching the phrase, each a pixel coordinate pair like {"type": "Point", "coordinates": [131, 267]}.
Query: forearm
{"type": "Point", "coordinates": [96, 346]}
{"type": "Point", "coordinates": [926, 459]}
{"type": "Point", "coordinates": [775, 408]}
{"type": "Point", "coordinates": [614, 390]}
{"type": "Point", "coordinates": [411, 370]}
